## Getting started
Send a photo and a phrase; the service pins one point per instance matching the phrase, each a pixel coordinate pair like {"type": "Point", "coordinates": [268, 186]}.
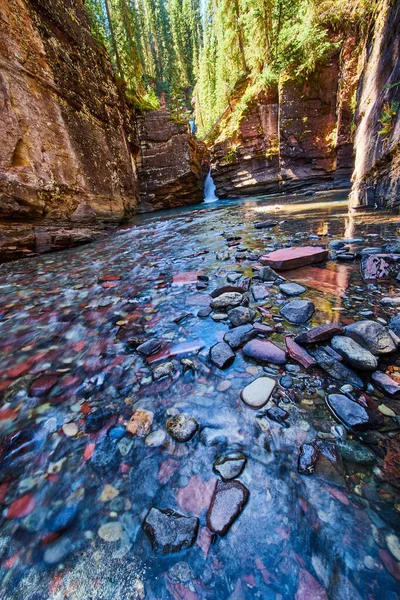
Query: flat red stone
{"type": "Point", "coordinates": [186, 278]}
{"type": "Point", "coordinates": [21, 507]}
{"type": "Point", "coordinates": [42, 385]}
{"type": "Point", "coordinates": [103, 278]}
{"type": "Point", "coordinates": [293, 258]}
{"type": "Point", "coordinates": [298, 353]}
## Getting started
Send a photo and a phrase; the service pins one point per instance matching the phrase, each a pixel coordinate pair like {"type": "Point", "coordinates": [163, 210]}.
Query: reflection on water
{"type": "Point", "coordinates": [73, 499]}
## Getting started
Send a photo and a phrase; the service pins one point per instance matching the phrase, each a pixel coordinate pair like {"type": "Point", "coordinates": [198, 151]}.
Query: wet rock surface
{"type": "Point", "coordinates": [226, 505]}
{"type": "Point", "coordinates": [298, 311]}
{"type": "Point", "coordinates": [74, 501]}
{"type": "Point", "coordinates": [170, 531]}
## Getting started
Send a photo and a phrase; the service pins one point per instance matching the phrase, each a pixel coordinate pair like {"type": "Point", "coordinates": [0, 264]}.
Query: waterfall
{"type": "Point", "coordinates": [209, 189]}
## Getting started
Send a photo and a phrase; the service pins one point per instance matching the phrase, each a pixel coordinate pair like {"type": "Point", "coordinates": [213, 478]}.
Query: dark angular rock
{"type": "Point", "coordinates": [298, 311]}
{"type": "Point", "coordinates": [347, 411]}
{"type": "Point", "coordinates": [149, 348]}
{"type": "Point", "coordinates": [264, 351]}
{"type": "Point", "coordinates": [373, 336]}
{"type": "Point", "coordinates": [278, 414]}
{"type": "Point", "coordinates": [106, 457]}
{"type": "Point", "coordinates": [97, 419]}
{"type": "Point", "coordinates": [241, 316]}
{"type": "Point", "coordinates": [265, 224]}
{"type": "Point", "coordinates": [221, 355]}
{"type": "Point", "coordinates": [61, 518]}
{"type": "Point", "coordinates": [263, 329]}
{"type": "Point", "coordinates": [319, 334]}
{"type": "Point", "coordinates": [355, 452]}
{"type": "Point", "coordinates": [238, 336]}
{"type": "Point", "coordinates": [336, 369]}
{"type": "Point", "coordinates": [307, 459]}
{"type": "Point", "coordinates": [230, 465]}
{"type": "Point", "coordinates": [268, 274]}
{"type": "Point", "coordinates": [286, 381]}
{"type": "Point", "coordinates": [169, 531]}
{"type": "Point", "coordinates": [259, 292]}
{"type": "Point", "coordinates": [181, 427]}
{"type": "Point", "coordinates": [227, 503]}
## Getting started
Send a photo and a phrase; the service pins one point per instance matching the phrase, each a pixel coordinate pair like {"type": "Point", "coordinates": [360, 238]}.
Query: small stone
{"type": "Point", "coordinates": [109, 492]}
{"type": "Point", "coordinates": [233, 277]}
{"type": "Point", "coordinates": [286, 381]}
{"type": "Point", "coordinates": [238, 336]}
{"type": "Point", "coordinates": [204, 312]}
{"type": "Point", "coordinates": [228, 299]}
{"type": "Point", "coordinates": [221, 355]}
{"type": "Point", "coordinates": [268, 274]}
{"type": "Point", "coordinates": [57, 551]}
{"type": "Point", "coordinates": [110, 532]}
{"type": "Point", "coordinates": [298, 353]}
{"type": "Point", "coordinates": [70, 429]}
{"type": "Point", "coordinates": [219, 316]}
{"type": "Point", "coordinates": [393, 543]}
{"type": "Point", "coordinates": [230, 465]}
{"type": "Point", "coordinates": [97, 419]}
{"type": "Point", "coordinates": [140, 423]}
{"type": "Point", "coordinates": [355, 452]}
{"type": "Point", "coordinates": [385, 410]}
{"type": "Point", "coordinates": [389, 385]}
{"type": "Point", "coordinates": [169, 531]}
{"type": "Point", "coordinates": [292, 289]}
{"type": "Point", "coordinates": [228, 501]}
{"type": "Point", "coordinates": [265, 224]}
{"type": "Point", "coordinates": [264, 351]}
{"type": "Point", "coordinates": [181, 427]}
{"type": "Point", "coordinates": [149, 348]}
{"type": "Point", "coordinates": [259, 292]}
{"type": "Point", "coordinates": [156, 438]}
{"type": "Point", "coordinates": [307, 459]}
{"type": "Point", "coordinates": [278, 414]}
{"type": "Point", "coordinates": [298, 311]}
{"type": "Point", "coordinates": [42, 385]}
{"type": "Point", "coordinates": [395, 324]}
{"type": "Point", "coordinates": [263, 329]}
{"type": "Point", "coordinates": [354, 354]}
{"type": "Point", "coordinates": [241, 316]}
{"type": "Point", "coordinates": [164, 370]}
{"type": "Point", "coordinates": [257, 393]}
{"type": "Point", "coordinates": [350, 413]}
{"type": "Point", "coordinates": [391, 301]}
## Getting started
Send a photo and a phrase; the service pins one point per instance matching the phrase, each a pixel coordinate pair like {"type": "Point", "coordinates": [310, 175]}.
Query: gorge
{"type": "Point", "coordinates": [200, 391]}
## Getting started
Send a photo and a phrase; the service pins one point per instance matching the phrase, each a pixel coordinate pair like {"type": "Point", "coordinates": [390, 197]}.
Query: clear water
{"type": "Point", "coordinates": [329, 535]}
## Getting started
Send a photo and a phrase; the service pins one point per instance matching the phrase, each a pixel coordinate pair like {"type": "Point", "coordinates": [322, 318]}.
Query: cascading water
{"type": "Point", "coordinates": [209, 189]}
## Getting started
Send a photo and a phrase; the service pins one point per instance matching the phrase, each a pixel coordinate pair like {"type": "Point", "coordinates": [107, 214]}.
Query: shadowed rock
{"type": "Point", "coordinates": [373, 336]}
{"type": "Point", "coordinates": [298, 311]}
{"type": "Point", "coordinates": [169, 531]}
{"type": "Point", "coordinates": [319, 334]}
{"type": "Point", "coordinates": [221, 355]}
{"type": "Point", "coordinates": [350, 413]}
{"type": "Point", "coordinates": [354, 354]}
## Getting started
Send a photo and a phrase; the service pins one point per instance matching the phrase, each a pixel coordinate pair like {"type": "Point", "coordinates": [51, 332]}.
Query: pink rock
{"type": "Point", "coordinates": [298, 353]}
{"type": "Point", "coordinates": [204, 540]}
{"type": "Point", "coordinates": [186, 278]}
{"type": "Point", "coordinates": [21, 507]}
{"type": "Point", "coordinates": [42, 385]}
{"type": "Point", "coordinates": [263, 329]}
{"type": "Point", "coordinates": [320, 333]}
{"type": "Point", "coordinates": [293, 258]}
{"type": "Point", "coordinates": [170, 350]}
{"type": "Point", "coordinates": [309, 588]}
{"type": "Point", "coordinates": [167, 469]}
{"type": "Point", "coordinates": [264, 351]}
{"type": "Point", "coordinates": [196, 496]}
{"type": "Point", "coordinates": [375, 267]}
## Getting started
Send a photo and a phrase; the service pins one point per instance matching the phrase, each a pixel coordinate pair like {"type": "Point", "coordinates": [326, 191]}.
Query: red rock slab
{"type": "Point", "coordinates": [186, 278]}
{"type": "Point", "coordinates": [181, 349]}
{"type": "Point", "coordinates": [293, 258]}
{"type": "Point", "coordinates": [105, 278]}
{"type": "Point", "coordinates": [321, 333]}
{"type": "Point", "coordinates": [42, 385]}
{"type": "Point", "coordinates": [298, 353]}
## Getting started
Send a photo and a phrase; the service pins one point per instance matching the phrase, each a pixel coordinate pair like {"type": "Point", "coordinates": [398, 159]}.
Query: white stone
{"type": "Point", "coordinates": [110, 532]}
{"type": "Point", "coordinates": [257, 393]}
{"type": "Point", "coordinates": [385, 410]}
{"type": "Point", "coordinates": [393, 543]}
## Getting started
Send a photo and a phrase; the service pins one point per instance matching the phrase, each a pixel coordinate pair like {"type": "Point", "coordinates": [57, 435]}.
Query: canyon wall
{"type": "Point", "coordinates": [169, 163]}
{"type": "Point", "coordinates": [377, 138]}
{"type": "Point", "coordinates": [70, 141]}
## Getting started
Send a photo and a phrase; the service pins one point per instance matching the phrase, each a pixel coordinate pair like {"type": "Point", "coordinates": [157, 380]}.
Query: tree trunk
{"type": "Point", "coordinates": [113, 40]}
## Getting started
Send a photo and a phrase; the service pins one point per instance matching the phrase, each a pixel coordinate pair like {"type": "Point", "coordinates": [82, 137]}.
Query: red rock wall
{"type": "Point", "coordinates": [69, 138]}
{"type": "Point", "coordinates": [169, 163]}
{"type": "Point", "coordinates": [377, 155]}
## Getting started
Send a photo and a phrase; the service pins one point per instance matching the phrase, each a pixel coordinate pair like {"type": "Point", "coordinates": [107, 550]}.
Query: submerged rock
{"type": "Point", "coordinates": [298, 311]}
{"type": "Point", "coordinates": [140, 423]}
{"type": "Point", "coordinates": [150, 347]}
{"type": "Point", "coordinates": [169, 531]}
{"type": "Point", "coordinates": [227, 503]}
{"type": "Point", "coordinates": [373, 336]}
{"type": "Point", "coordinates": [238, 336]}
{"type": "Point", "coordinates": [241, 315]}
{"type": "Point", "coordinates": [164, 370]}
{"type": "Point", "coordinates": [221, 355]}
{"type": "Point", "coordinates": [355, 452]}
{"type": "Point", "coordinates": [307, 459]}
{"type": "Point", "coordinates": [350, 413]}
{"type": "Point", "coordinates": [257, 393]}
{"type": "Point", "coordinates": [264, 351]}
{"type": "Point", "coordinates": [181, 427]}
{"type": "Point", "coordinates": [97, 419]}
{"type": "Point", "coordinates": [354, 354]}
{"type": "Point", "coordinates": [278, 414]}
{"type": "Point", "coordinates": [230, 465]}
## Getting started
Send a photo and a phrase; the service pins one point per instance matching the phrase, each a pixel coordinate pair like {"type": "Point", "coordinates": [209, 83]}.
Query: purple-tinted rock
{"type": "Point", "coordinates": [149, 348]}
{"type": "Point", "coordinates": [169, 531]}
{"type": "Point", "coordinates": [259, 292]}
{"type": "Point", "coordinates": [319, 334]}
{"type": "Point", "coordinates": [307, 459]}
{"type": "Point", "coordinates": [298, 353]}
{"type": "Point", "coordinates": [42, 385]}
{"type": "Point", "coordinates": [385, 382]}
{"type": "Point", "coordinates": [264, 351]}
{"type": "Point", "coordinates": [238, 336]}
{"type": "Point", "coordinates": [228, 501]}
{"type": "Point", "coordinates": [263, 329]}
{"type": "Point", "coordinates": [375, 267]}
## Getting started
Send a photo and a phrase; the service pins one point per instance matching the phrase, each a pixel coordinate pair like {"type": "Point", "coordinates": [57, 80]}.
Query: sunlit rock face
{"type": "Point", "coordinates": [377, 152]}
{"type": "Point", "coordinates": [69, 137]}
{"type": "Point", "coordinates": [169, 163]}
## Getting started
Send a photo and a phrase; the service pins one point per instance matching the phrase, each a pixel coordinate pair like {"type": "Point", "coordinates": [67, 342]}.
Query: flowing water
{"type": "Point", "coordinates": [73, 502]}
{"type": "Point", "coordinates": [209, 189]}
